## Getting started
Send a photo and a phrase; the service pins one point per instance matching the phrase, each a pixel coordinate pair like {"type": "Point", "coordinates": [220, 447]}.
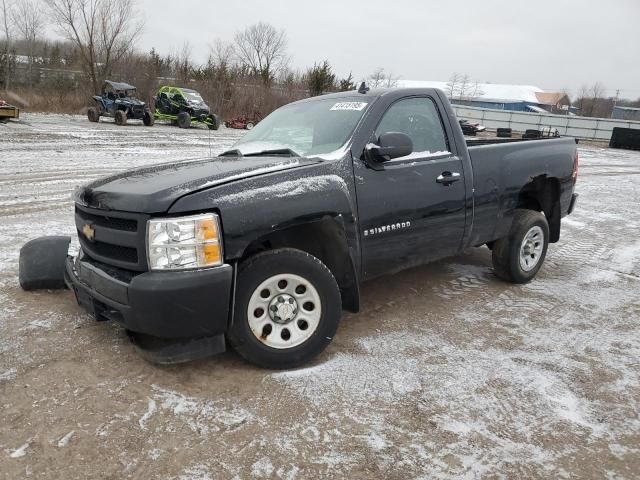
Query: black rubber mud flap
{"type": "Point", "coordinates": [41, 264]}
{"type": "Point", "coordinates": [171, 351]}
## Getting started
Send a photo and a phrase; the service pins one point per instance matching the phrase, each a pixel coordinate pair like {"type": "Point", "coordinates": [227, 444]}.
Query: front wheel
{"type": "Point", "coordinates": [214, 122]}
{"type": "Point", "coordinates": [120, 117]}
{"type": "Point", "coordinates": [287, 309]}
{"type": "Point", "coordinates": [518, 256]}
{"type": "Point", "coordinates": [249, 126]}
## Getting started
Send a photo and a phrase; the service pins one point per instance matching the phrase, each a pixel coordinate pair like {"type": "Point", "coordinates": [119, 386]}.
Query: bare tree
{"type": "Point", "coordinates": [104, 31]}
{"type": "Point", "coordinates": [263, 49]}
{"type": "Point", "coordinates": [582, 96]}
{"type": "Point", "coordinates": [377, 78]}
{"type": "Point", "coordinates": [464, 85]}
{"type": "Point", "coordinates": [6, 29]}
{"type": "Point", "coordinates": [183, 63]}
{"type": "Point", "coordinates": [221, 53]}
{"type": "Point", "coordinates": [452, 84]}
{"type": "Point", "coordinates": [595, 92]}
{"type": "Point", "coordinates": [475, 91]}
{"type": "Point", "coordinates": [30, 21]}
{"type": "Point", "coordinates": [391, 81]}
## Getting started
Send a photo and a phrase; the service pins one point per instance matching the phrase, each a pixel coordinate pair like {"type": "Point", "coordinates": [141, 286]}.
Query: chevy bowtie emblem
{"type": "Point", "coordinates": [89, 232]}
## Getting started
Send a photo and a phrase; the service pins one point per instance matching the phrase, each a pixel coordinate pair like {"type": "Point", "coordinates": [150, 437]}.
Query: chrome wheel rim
{"type": "Point", "coordinates": [284, 311]}
{"type": "Point", "coordinates": [531, 248]}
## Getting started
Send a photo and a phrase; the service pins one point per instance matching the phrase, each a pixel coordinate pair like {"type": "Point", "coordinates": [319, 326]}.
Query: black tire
{"type": "Point", "coordinates": [184, 120]}
{"type": "Point", "coordinates": [504, 132]}
{"type": "Point", "coordinates": [42, 263]}
{"type": "Point", "coordinates": [120, 117]}
{"type": "Point", "coordinates": [252, 273]}
{"type": "Point", "coordinates": [215, 122]}
{"type": "Point", "coordinates": [506, 254]}
{"type": "Point", "coordinates": [532, 134]}
{"type": "Point", "coordinates": [148, 119]}
{"type": "Point", "coordinates": [93, 114]}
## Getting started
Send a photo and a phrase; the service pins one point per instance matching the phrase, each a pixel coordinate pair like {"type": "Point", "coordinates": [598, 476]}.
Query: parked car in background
{"type": "Point", "coordinates": [471, 128]}
{"type": "Point", "coordinates": [8, 111]}
{"type": "Point", "coordinates": [184, 107]}
{"type": "Point", "coordinates": [118, 101]}
{"type": "Point", "coordinates": [244, 122]}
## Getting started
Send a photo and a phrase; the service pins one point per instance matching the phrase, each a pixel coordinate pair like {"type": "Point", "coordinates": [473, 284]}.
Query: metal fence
{"type": "Point", "coordinates": [579, 127]}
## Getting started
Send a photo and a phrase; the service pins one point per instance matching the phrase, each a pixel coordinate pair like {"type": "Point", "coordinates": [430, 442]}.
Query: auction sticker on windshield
{"type": "Point", "coordinates": [349, 106]}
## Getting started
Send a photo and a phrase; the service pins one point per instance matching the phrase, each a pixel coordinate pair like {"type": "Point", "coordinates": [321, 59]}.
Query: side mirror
{"type": "Point", "coordinates": [391, 145]}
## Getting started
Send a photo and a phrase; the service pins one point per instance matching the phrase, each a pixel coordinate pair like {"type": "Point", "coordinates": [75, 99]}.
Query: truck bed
{"type": "Point", "coordinates": [502, 166]}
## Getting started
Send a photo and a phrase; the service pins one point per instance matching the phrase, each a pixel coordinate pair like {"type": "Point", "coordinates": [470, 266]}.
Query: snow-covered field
{"type": "Point", "coordinates": [446, 373]}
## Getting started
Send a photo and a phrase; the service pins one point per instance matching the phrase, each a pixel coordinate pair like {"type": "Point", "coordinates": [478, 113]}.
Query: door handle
{"type": "Point", "coordinates": [447, 178]}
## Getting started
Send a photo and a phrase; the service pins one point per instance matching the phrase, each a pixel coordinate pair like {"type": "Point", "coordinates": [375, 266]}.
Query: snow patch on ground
{"type": "Point", "coordinates": [197, 472]}
{"type": "Point", "coordinates": [8, 375]}
{"type": "Point", "coordinates": [64, 441]}
{"type": "Point", "coordinates": [202, 416]}
{"type": "Point", "coordinates": [151, 409]}
{"type": "Point", "coordinates": [20, 451]}
{"type": "Point", "coordinates": [263, 468]}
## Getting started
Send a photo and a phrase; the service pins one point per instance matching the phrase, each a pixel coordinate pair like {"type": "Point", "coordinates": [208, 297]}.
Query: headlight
{"type": "Point", "coordinates": [184, 242]}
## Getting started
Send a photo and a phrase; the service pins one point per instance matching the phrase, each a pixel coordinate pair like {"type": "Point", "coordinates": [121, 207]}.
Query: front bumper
{"type": "Point", "coordinates": [572, 205]}
{"type": "Point", "coordinates": [168, 305]}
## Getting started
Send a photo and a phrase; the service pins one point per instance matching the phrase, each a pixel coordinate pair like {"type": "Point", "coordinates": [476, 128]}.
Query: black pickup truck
{"type": "Point", "coordinates": [265, 245]}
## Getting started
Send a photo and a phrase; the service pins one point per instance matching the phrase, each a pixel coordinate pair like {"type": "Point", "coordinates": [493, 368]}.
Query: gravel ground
{"type": "Point", "coordinates": [446, 373]}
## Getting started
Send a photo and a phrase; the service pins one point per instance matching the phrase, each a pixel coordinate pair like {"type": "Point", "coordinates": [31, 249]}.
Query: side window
{"type": "Point", "coordinates": [417, 117]}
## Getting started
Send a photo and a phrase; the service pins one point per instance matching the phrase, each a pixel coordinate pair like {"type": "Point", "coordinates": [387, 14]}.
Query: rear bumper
{"type": "Point", "coordinates": [169, 305]}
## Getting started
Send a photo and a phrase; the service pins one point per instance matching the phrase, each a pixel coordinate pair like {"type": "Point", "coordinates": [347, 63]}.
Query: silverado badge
{"type": "Point", "coordinates": [89, 232]}
{"type": "Point", "coordinates": [386, 228]}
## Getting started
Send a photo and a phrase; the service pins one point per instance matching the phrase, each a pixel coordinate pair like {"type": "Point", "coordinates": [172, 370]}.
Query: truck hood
{"type": "Point", "coordinates": [155, 188]}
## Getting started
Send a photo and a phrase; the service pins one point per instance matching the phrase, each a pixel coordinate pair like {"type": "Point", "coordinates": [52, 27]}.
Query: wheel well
{"type": "Point", "coordinates": [324, 239]}
{"type": "Point", "coordinates": [542, 194]}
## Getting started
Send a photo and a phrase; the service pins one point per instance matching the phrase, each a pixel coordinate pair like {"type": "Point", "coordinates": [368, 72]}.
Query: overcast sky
{"type": "Point", "coordinates": [552, 44]}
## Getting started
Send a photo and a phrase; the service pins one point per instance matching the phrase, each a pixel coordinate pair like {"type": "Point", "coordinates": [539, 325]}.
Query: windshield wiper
{"type": "Point", "coordinates": [280, 152]}
{"type": "Point", "coordinates": [284, 152]}
{"type": "Point", "coordinates": [231, 153]}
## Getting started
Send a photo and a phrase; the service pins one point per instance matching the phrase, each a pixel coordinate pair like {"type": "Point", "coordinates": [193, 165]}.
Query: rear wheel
{"type": "Point", "coordinates": [93, 114]}
{"type": "Point", "coordinates": [517, 258]}
{"type": "Point", "coordinates": [121, 117]}
{"type": "Point", "coordinates": [184, 120]}
{"type": "Point", "coordinates": [249, 125]}
{"type": "Point", "coordinates": [287, 309]}
{"type": "Point", "coordinates": [148, 118]}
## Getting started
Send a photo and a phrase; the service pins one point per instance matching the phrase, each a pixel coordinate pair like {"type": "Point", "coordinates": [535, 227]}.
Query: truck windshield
{"type": "Point", "coordinates": [310, 128]}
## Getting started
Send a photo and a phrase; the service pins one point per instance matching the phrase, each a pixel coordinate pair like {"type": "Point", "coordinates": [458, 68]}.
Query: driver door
{"type": "Point", "coordinates": [408, 214]}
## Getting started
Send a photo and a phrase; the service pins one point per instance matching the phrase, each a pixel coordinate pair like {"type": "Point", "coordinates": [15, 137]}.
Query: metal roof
{"type": "Point", "coordinates": [119, 85]}
{"type": "Point", "coordinates": [631, 109]}
{"type": "Point", "coordinates": [485, 91]}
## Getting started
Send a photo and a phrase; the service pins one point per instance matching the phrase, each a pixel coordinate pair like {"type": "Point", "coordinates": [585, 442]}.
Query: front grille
{"type": "Point", "coordinates": [130, 225]}
{"type": "Point", "coordinates": [126, 254]}
{"type": "Point", "coordinates": [118, 237]}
